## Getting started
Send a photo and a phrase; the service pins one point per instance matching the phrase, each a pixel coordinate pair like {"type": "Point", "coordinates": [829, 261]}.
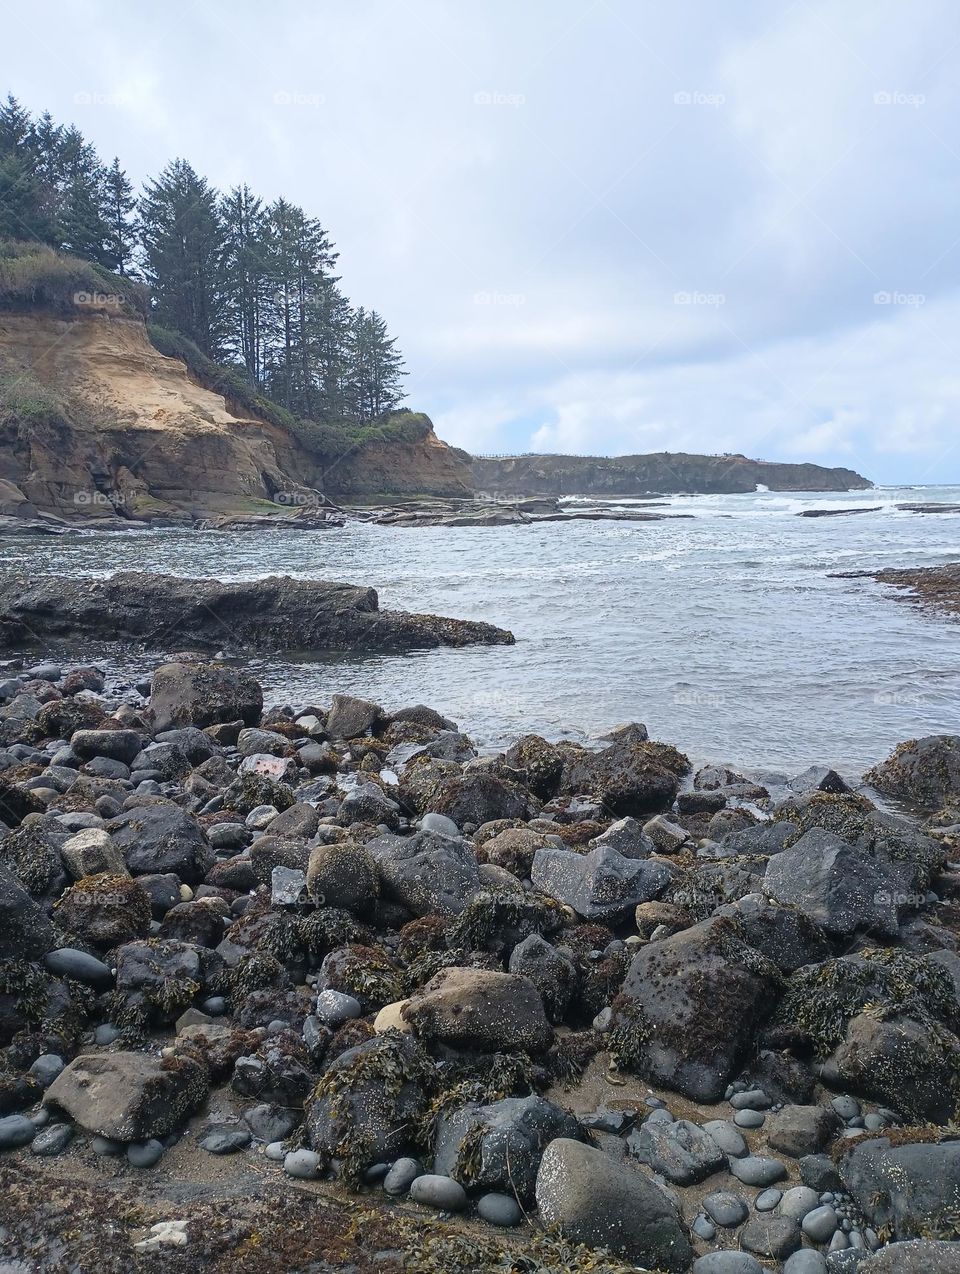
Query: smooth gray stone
{"type": "Point", "coordinates": [225, 1140]}
{"type": "Point", "coordinates": [402, 1176]}
{"type": "Point", "coordinates": [846, 1107]}
{"type": "Point", "coordinates": [730, 1141]}
{"type": "Point", "coordinates": [269, 1122]}
{"type": "Point", "coordinates": [106, 1146]}
{"type": "Point", "coordinates": [499, 1209]}
{"type": "Point", "coordinates": [756, 1170]}
{"type": "Point", "coordinates": [302, 1163]}
{"type": "Point", "coordinates": [768, 1200]}
{"type": "Point", "coordinates": [727, 1263]}
{"type": "Point", "coordinates": [105, 1034]}
{"type": "Point", "coordinates": [442, 1193]}
{"type": "Point", "coordinates": [798, 1201]}
{"type": "Point", "coordinates": [46, 1068]}
{"type": "Point", "coordinates": [749, 1119]}
{"type": "Point", "coordinates": [16, 1130]}
{"type": "Point", "coordinates": [704, 1228]}
{"type": "Point", "coordinates": [753, 1099]}
{"type": "Point", "coordinates": [726, 1208]}
{"type": "Point", "coordinates": [439, 823]}
{"type": "Point", "coordinates": [820, 1224]}
{"type": "Point", "coordinates": [335, 1007]}
{"type": "Point", "coordinates": [70, 963]}
{"type": "Point", "coordinates": [52, 1140]}
{"type": "Point", "coordinates": [806, 1261]}
{"type": "Point", "coordinates": [144, 1154]}
{"type": "Point", "coordinates": [276, 1151]}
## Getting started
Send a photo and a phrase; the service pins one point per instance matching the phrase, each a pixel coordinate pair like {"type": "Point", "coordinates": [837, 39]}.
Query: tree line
{"type": "Point", "coordinates": [252, 284]}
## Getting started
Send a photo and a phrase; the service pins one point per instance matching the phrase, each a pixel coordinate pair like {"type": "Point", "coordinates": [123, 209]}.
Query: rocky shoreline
{"type": "Point", "coordinates": [323, 988]}
{"type": "Point", "coordinates": [934, 586]}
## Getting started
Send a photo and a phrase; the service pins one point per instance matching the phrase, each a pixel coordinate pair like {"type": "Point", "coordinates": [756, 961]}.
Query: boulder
{"type": "Point", "coordinates": [25, 931]}
{"type": "Point", "coordinates": [91, 851]}
{"type": "Point", "coordinates": [161, 838]}
{"type": "Point", "coordinates": [916, 1256]}
{"type": "Point", "coordinates": [554, 976]}
{"type": "Point", "coordinates": [118, 745]}
{"type": "Point", "coordinates": [626, 777]}
{"type": "Point", "coordinates": [105, 910]}
{"type": "Point", "coordinates": [129, 1096]}
{"type": "Point", "coordinates": [500, 1146]}
{"type": "Point", "coordinates": [627, 837]}
{"type": "Point", "coordinates": [203, 694]}
{"type": "Point", "coordinates": [681, 1151]}
{"type": "Point", "coordinates": [801, 1130]}
{"type": "Point", "coordinates": [601, 884]}
{"type": "Point", "coordinates": [538, 763]}
{"type": "Point", "coordinates": [343, 875]}
{"type": "Point", "coordinates": [834, 884]}
{"type": "Point", "coordinates": [902, 1063]}
{"type": "Point", "coordinates": [476, 797]}
{"type": "Point", "coordinates": [428, 873]}
{"type": "Point", "coordinates": [350, 718]}
{"type": "Point", "coordinates": [593, 1199]}
{"type": "Point", "coordinates": [477, 1008]}
{"type": "Point", "coordinates": [905, 1190]}
{"type": "Point", "coordinates": [924, 772]}
{"type": "Point", "coordinates": [690, 1007]}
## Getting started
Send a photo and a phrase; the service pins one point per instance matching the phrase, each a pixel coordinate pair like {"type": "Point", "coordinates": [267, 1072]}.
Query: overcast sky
{"type": "Point", "coordinates": [596, 226]}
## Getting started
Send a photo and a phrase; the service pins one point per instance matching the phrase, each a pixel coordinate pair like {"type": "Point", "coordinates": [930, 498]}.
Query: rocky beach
{"type": "Point", "coordinates": [319, 987]}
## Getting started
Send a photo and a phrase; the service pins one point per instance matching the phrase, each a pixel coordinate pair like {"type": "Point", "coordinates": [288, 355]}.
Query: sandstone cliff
{"type": "Point", "coordinates": [665, 472]}
{"type": "Point", "coordinates": [97, 423]}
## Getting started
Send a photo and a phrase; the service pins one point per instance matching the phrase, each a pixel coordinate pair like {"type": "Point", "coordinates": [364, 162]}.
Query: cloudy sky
{"type": "Point", "coordinates": [597, 226]}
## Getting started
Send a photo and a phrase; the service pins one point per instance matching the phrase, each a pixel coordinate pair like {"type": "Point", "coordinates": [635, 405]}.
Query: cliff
{"type": "Point", "coordinates": [96, 423]}
{"type": "Point", "coordinates": [664, 472]}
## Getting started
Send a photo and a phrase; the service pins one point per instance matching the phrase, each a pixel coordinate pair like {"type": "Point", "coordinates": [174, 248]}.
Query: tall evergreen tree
{"type": "Point", "coordinates": [119, 206]}
{"type": "Point", "coordinates": [24, 205]}
{"type": "Point", "coordinates": [376, 367]}
{"type": "Point", "coordinates": [180, 231]}
{"type": "Point", "coordinates": [82, 226]}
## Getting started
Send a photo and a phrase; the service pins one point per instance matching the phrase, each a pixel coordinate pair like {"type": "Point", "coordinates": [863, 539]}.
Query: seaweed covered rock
{"type": "Point", "coordinates": [925, 772]}
{"type": "Point", "coordinates": [160, 838]}
{"type": "Point", "coordinates": [499, 1146]}
{"type": "Point", "coordinates": [477, 797]}
{"type": "Point", "coordinates": [909, 1065]}
{"type": "Point", "coordinates": [371, 1102]}
{"type": "Point", "coordinates": [104, 910]}
{"type": "Point", "coordinates": [907, 1190]}
{"type": "Point", "coordinates": [601, 884]}
{"type": "Point", "coordinates": [279, 1071]}
{"type": "Point", "coordinates": [915, 1256]}
{"type": "Point", "coordinates": [25, 931]}
{"type": "Point", "coordinates": [249, 791]}
{"type": "Point", "coordinates": [350, 717]}
{"type": "Point", "coordinates": [157, 979]}
{"type": "Point", "coordinates": [129, 1096]}
{"type": "Point", "coordinates": [32, 853]}
{"type": "Point", "coordinates": [203, 694]}
{"type": "Point", "coordinates": [538, 763]}
{"type": "Point", "coordinates": [787, 937]}
{"type": "Point", "coordinates": [593, 1199]}
{"type": "Point", "coordinates": [428, 873]}
{"type": "Point", "coordinates": [554, 976]}
{"type": "Point", "coordinates": [363, 972]}
{"type": "Point", "coordinates": [626, 777]}
{"type": "Point", "coordinates": [477, 1008]}
{"type": "Point", "coordinates": [690, 1007]}
{"type": "Point", "coordinates": [498, 920]}
{"type": "Point", "coordinates": [343, 875]}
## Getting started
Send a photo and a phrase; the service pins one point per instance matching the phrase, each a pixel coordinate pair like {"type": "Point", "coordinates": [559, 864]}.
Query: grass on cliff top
{"type": "Point", "coordinates": [32, 274]}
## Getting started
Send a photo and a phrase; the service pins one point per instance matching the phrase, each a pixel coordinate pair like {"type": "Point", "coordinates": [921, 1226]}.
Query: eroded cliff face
{"type": "Point", "coordinates": [97, 423]}
{"type": "Point", "coordinates": [671, 473]}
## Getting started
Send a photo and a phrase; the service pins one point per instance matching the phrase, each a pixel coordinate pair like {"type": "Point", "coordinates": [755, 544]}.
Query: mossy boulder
{"type": "Point", "coordinates": [924, 772]}
{"type": "Point", "coordinates": [104, 911]}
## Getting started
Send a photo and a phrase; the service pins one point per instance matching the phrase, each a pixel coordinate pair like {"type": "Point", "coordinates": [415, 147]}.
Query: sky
{"type": "Point", "coordinates": [595, 226]}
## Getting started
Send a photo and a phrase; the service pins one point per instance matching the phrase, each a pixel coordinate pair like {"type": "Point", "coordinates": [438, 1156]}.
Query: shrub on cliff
{"type": "Point", "coordinates": [32, 274]}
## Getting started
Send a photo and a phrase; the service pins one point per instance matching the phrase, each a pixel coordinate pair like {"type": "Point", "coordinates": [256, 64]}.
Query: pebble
{"type": "Point", "coordinates": [806, 1261]}
{"type": "Point", "coordinates": [216, 1006]}
{"type": "Point", "coordinates": [796, 1203]}
{"type": "Point", "coordinates": [768, 1200]}
{"type": "Point", "coordinates": [499, 1209]}
{"type": "Point", "coordinates": [276, 1151]}
{"type": "Point", "coordinates": [753, 1099]}
{"type": "Point", "coordinates": [820, 1224]}
{"type": "Point", "coordinates": [839, 1242]}
{"type": "Point", "coordinates": [106, 1146]}
{"type": "Point", "coordinates": [70, 963]}
{"type": "Point", "coordinates": [660, 1116]}
{"type": "Point", "coordinates": [105, 1034]}
{"type": "Point", "coordinates": [46, 1068]}
{"type": "Point", "coordinates": [16, 1130]}
{"type": "Point", "coordinates": [727, 1263]}
{"type": "Point", "coordinates": [144, 1154]}
{"type": "Point", "coordinates": [261, 817]}
{"type": "Point", "coordinates": [726, 1208]}
{"type": "Point", "coordinates": [723, 1132]}
{"type": "Point", "coordinates": [226, 1139]}
{"type": "Point", "coordinates": [749, 1119]}
{"type": "Point", "coordinates": [302, 1163]}
{"type": "Point", "coordinates": [756, 1170]}
{"type": "Point", "coordinates": [440, 824]}
{"type": "Point", "coordinates": [704, 1228]}
{"type": "Point", "coordinates": [402, 1176]}
{"type": "Point", "coordinates": [52, 1140]}
{"type": "Point", "coordinates": [846, 1107]}
{"type": "Point", "coordinates": [334, 1008]}
{"type": "Point", "coordinates": [438, 1192]}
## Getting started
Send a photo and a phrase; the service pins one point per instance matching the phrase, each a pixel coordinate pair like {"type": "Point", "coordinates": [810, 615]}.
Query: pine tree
{"type": "Point", "coordinates": [245, 277]}
{"type": "Point", "coordinates": [119, 206]}
{"type": "Point", "coordinates": [376, 368]}
{"type": "Point", "coordinates": [181, 236]}
{"type": "Point", "coordinates": [24, 204]}
{"type": "Point", "coordinates": [82, 226]}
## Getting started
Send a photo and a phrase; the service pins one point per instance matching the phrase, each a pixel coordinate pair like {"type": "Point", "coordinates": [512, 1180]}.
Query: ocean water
{"type": "Point", "coordinates": [723, 631]}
